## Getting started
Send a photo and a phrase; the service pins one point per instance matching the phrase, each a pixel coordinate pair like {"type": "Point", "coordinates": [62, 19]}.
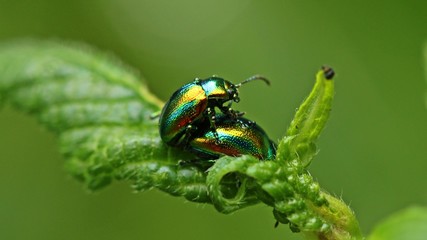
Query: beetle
{"type": "Point", "coordinates": [194, 103]}
{"type": "Point", "coordinates": [236, 137]}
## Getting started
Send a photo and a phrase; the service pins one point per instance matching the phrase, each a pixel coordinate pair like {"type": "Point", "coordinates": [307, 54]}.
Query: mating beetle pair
{"type": "Point", "coordinates": [189, 121]}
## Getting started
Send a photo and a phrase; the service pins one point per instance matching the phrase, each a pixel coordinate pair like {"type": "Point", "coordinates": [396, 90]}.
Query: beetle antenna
{"type": "Point", "coordinates": [253, 78]}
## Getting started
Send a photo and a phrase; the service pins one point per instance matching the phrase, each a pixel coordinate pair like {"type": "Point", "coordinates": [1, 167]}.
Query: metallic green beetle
{"type": "Point", "coordinates": [194, 104]}
{"type": "Point", "coordinates": [236, 137]}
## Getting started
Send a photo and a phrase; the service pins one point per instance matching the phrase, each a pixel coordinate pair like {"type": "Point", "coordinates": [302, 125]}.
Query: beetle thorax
{"type": "Point", "coordinates": [217, 88]}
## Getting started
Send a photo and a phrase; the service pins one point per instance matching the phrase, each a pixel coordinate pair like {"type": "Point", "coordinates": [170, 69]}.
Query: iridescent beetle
{"type": "Point", "coordinates": [236, 137]}
{"type": "Point", "coordinates": [194, 103]}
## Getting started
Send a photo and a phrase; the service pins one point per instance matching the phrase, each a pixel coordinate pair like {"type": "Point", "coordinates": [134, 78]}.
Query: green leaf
{"type": "Point", "coordinates": [101, 112]}
{"type": "Point", "coordinates": [408, 224]}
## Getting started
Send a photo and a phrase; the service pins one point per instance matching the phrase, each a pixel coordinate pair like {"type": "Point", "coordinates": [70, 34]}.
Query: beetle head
{"type": "Point", "coordinates": [232, 92]}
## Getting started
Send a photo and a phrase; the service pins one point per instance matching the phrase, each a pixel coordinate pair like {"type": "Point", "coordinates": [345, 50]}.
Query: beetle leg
{"type": "Point", "coordinates": [238, 114]}
{"type": "Point", "coordinates": [155, 115]}
{"type": "Point", "coordinates": [230, 112]}
{"type": "Point", "coordinates": [246, 124]}
{"type": "Point", "coordinates": [197, 80]}
{"type": "Point", "coordinates": [212, 119]}
{"type": "Point", "coordinates": [189, 130]}
{"type": "Point", "coordinates": [251, 123]}
{"type": "Point", "coordinates": [217, 140]}
{"type": "Point", "coordinates": [234, 113]}
{"type": "Point", "coordinates": [213, 129]}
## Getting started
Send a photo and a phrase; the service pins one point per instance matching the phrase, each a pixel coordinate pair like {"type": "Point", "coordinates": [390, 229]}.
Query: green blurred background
{"type": "Point", "coordinates": [373, 150]}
